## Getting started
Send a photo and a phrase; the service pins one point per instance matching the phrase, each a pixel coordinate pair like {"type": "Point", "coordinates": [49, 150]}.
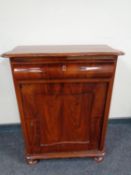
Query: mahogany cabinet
{"type": "Point", "coordinates": [63, 94]}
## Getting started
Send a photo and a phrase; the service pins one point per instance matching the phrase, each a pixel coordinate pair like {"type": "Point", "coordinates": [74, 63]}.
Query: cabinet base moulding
{"type": "Point", "coordinates": [97, 155]}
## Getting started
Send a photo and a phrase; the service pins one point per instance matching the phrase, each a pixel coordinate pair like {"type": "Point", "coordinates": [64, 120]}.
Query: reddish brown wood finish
{"type": "Point", "coordinates": [62, 50]}
{"type": "Point", "coordinates": [64, 99]}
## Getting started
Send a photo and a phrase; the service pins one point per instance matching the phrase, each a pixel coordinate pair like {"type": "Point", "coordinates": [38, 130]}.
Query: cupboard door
{"type": "Point", "coordinates": [63, 117]}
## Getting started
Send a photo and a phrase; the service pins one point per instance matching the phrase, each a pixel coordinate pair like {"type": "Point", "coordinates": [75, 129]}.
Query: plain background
{"type": "Point", "coordinates": [32, 22]}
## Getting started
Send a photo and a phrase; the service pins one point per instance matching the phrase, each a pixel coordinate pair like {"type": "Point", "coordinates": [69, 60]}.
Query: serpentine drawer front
{"type": "Point", "coordinates": [63, 70]}
{"type": "Point", "coordinates": [63, 95]}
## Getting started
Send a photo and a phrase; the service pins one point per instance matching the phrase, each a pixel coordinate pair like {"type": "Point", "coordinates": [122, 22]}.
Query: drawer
{"type": "Point", "coordinates": [64, 70]}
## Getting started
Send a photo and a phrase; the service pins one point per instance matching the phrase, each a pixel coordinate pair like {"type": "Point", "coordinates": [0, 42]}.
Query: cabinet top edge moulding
{"type": "Point", "coordinates": [30, 51]}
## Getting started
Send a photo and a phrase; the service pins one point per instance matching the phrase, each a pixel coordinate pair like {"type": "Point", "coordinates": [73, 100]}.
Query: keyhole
{"type": "Point", "coordinates": [64, 67]}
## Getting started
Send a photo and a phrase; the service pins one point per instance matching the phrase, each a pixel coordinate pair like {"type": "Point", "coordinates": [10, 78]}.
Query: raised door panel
{"type": "Point", "coordinates": [63, 116]}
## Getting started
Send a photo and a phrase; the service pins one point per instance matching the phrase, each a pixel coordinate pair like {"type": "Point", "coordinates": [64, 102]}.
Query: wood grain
{"type": "Point", "coordinates": [61, 50]}
{"type": "Point", "coordinates": [64, 95]}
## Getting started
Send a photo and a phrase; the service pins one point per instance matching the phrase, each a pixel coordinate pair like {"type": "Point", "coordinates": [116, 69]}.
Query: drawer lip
{"type": "Point", "coordinates": [63, 70]}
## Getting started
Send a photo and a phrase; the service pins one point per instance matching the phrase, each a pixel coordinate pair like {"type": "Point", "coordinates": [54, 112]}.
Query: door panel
{"type": "Point", "coordinates": [63, 116]}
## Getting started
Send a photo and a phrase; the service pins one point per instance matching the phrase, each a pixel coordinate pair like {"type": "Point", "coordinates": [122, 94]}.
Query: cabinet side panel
{"type": "Point", "coordinates": [107, 108]}
{"type": "Point", "coordinates": [20, 107]}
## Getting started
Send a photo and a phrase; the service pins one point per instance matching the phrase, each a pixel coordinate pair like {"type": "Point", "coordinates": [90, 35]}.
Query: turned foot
{"type": "Point", "coordinates": [31, 161]}
{"type": "Point", "coordinates": [99, 159]}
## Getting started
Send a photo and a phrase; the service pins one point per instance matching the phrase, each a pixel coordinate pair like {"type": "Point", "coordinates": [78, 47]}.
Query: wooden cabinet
{"type": "Point", "coordinates": [63, 95]}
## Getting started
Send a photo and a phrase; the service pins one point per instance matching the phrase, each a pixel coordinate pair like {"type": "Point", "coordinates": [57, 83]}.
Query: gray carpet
{"type": "Point", "coordinates": [117, 160]}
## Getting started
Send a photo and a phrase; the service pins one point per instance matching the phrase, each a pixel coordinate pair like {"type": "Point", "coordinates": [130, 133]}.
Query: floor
{"type": "Point", "coordinates": [117, 160]}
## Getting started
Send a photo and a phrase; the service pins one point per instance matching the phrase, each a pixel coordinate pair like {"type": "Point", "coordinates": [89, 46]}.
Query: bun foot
{"type": "Point", "coordinates": [31, 161]}
{"type": "Point", "coordinates": [99, 159]}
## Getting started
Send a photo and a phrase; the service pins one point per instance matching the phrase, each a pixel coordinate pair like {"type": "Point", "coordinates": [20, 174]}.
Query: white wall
{"type": "Point", "coordinates": [24, 22]}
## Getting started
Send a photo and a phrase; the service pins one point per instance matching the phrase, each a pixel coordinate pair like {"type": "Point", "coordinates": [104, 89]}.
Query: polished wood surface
{"type": "Point", "coordinates": [56, 114]}
{"type": "Point", "coordinates": [63, 70]}
{"type": "Point", "coordinates": [61, 50]}
{"type": "Point", "coordinates": [63, 101]}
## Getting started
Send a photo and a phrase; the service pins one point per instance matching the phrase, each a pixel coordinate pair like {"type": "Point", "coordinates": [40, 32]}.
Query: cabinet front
{"type": "Point", "coordinates": [63, 117]}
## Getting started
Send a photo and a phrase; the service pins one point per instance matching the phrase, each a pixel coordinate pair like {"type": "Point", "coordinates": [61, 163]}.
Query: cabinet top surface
{"type": "Point", "coordinates": [61, 50]}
